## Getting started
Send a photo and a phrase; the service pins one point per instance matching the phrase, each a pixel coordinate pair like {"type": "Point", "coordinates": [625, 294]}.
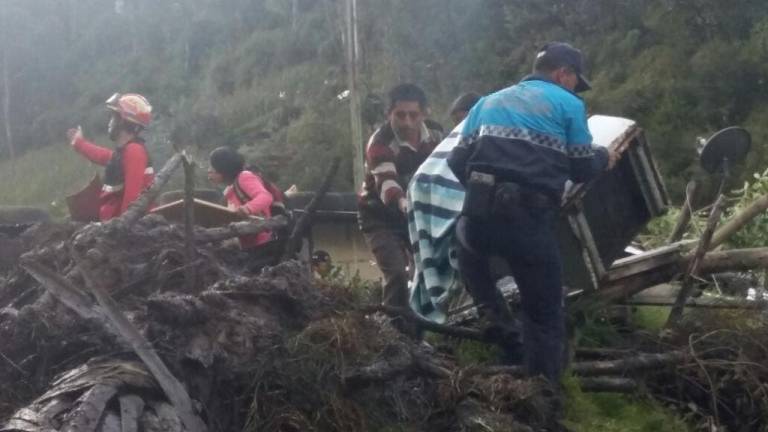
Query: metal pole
{"type": "Point", "coordinates": [356, 127]}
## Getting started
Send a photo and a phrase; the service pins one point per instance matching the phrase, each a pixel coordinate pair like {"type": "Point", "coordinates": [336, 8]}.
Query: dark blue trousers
{"type": "Point", "coordinates": [525, 237]}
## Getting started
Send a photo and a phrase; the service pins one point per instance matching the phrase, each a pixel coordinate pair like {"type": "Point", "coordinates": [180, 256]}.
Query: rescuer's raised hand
{"type": "Point", "coordinates": [74, 134]}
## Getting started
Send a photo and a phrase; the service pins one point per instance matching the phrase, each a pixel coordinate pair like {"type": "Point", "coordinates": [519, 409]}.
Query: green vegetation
{"type": "Point", "coordinates": [470, 352]}
{"type": "Point", "coordinates": [267, 74]}
{"type": "Point", "coordinates": [651, 318]}
{"type": "Point", "coordinates": [44, 177]}
{"type": "Point", "coordinates": [608, 412]}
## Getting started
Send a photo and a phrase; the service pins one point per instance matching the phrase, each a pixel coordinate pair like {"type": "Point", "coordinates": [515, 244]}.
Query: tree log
{"type": "Point", "coordinates": [621, 366]}
{"type": "Point", "coordinates": [139, 207]}
{"type": "Point", "coordinates": [738, 221]}
{"type": "Point", "coordinates": [608, 384]}
{"type": "Point", "coordinates": [630, 364]}
{"type": "Point", "coordinates": [735, 260]}
{"type": "Point", "coordinates": [237, 229]}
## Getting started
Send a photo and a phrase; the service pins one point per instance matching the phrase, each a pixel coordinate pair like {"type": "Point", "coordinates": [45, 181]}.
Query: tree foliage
{"type": "Point", "coordinates": [267, 75]}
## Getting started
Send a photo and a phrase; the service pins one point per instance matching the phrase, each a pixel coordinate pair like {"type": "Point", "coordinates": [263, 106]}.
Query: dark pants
{"type": "Point", "coordinates": [392, 254]}
{"type": "Point", "coordinates": [525, 237]}
{"type": "Point", "coordinates": [478, 274]}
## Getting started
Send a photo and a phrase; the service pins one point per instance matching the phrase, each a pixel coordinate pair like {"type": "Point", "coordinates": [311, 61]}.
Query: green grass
{"type": "Point", "coordinates": [42, 178]}
{"type": "Point", "coordinates": [609, 412]}
{"type": "Point", "coordinates": [651, 318]}
{"type": "Point", "coordinates": [470, 353]}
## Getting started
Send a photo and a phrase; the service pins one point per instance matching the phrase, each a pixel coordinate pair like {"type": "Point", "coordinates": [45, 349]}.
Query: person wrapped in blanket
{"type": "Point", "coordinates": [435, 198]}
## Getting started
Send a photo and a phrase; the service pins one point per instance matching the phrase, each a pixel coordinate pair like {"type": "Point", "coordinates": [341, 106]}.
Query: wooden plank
{"type": "Point", "coordinates": [644, 262]}
{"type": "Point", "coordinates": [207, 214]}
{"type": "Point", "coordinates": [131, 408]}
{"type": "Point", "coordinates": [131, 336]}
{"type": "Point", "coordinates": [90, 409]}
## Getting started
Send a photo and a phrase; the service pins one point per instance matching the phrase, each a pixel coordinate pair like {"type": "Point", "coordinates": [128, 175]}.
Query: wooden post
{"type": "Point", "coordinates": [189, 221]}
{"type": "Point", "coordinates": [685, 291]}
{"type": "Point", "coordinates": [681, 226]}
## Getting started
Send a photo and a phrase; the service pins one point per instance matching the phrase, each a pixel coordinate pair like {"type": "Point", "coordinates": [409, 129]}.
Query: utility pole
{"type": "Point", "coordinates": [6, 83]}
{"type": "Point", "coordinates": [354, 92]}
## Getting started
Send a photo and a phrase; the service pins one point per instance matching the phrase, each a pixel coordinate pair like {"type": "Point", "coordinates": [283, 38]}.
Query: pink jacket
{"type": "Point", "coordinates": [258, 205]}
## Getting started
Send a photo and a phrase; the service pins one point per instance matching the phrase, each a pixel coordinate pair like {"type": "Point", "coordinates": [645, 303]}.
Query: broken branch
{"type": "Point", "coordinates": [691, 190]}
{"type": "Point", "coordinates": [170, 385]}
{"type": "Point", "coordinates": [459, 332]}
{"type": "Point", "coordinates": [294, 241]}
{"type": "Point", "coordinates": [237, 229]}
{"type": "Point", "coordinates": [693, 269]}
{"type": "Point", "coordinates": [139, 207]}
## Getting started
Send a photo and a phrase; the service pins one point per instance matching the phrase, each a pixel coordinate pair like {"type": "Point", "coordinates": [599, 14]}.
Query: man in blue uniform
{"type": "Point", "coordinates": [519, 147]}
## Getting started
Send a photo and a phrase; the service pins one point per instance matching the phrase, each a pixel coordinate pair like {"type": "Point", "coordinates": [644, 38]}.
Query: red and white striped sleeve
{"type": "Point", "coordinates": [381, 163]}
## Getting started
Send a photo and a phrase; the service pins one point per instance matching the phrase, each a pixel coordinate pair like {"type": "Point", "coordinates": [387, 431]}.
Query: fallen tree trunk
{"type": "Point", "coordinates": [631, 364]}
{"type": "Point", "coordinates": [737, 222]}
{"type": "Point", "coordinates": [384, 370]}
{"type": "Point", "coordinates": [735, 260]}
{"type": "Point", "coordinates": [639, 362]}
{"type": "Point", "coordinates": [608, 384]}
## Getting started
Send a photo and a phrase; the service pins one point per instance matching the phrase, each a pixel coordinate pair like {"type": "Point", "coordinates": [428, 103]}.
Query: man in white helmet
{"type": "Point", "coordinates": [128, 169]}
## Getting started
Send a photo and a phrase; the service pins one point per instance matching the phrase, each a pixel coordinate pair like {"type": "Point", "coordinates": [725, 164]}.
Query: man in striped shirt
{"type": "Point", "coordinates": [393, 154]}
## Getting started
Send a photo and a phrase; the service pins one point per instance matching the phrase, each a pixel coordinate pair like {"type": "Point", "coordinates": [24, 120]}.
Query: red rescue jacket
{"type": "Point", "coordinates": [128, 172]}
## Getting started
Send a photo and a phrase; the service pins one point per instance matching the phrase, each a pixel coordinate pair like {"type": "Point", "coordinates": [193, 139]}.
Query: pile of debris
{"type": "Point", "coordinates": [100, 324]}
{"type": "Point", "coordinates": [139, 324]}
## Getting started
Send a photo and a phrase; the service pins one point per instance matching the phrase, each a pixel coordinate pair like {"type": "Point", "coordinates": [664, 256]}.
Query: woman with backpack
{"type": "Point", "coordinates": [246, 192]}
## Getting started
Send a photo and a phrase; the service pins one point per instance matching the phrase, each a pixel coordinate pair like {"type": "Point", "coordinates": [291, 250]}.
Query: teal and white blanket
{"type": "Point", "coordinates": [435, 199]}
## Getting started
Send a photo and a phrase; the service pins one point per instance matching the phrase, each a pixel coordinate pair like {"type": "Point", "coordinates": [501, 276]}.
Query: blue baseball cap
{"type": "Point", "coordinates": [563, 54]}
